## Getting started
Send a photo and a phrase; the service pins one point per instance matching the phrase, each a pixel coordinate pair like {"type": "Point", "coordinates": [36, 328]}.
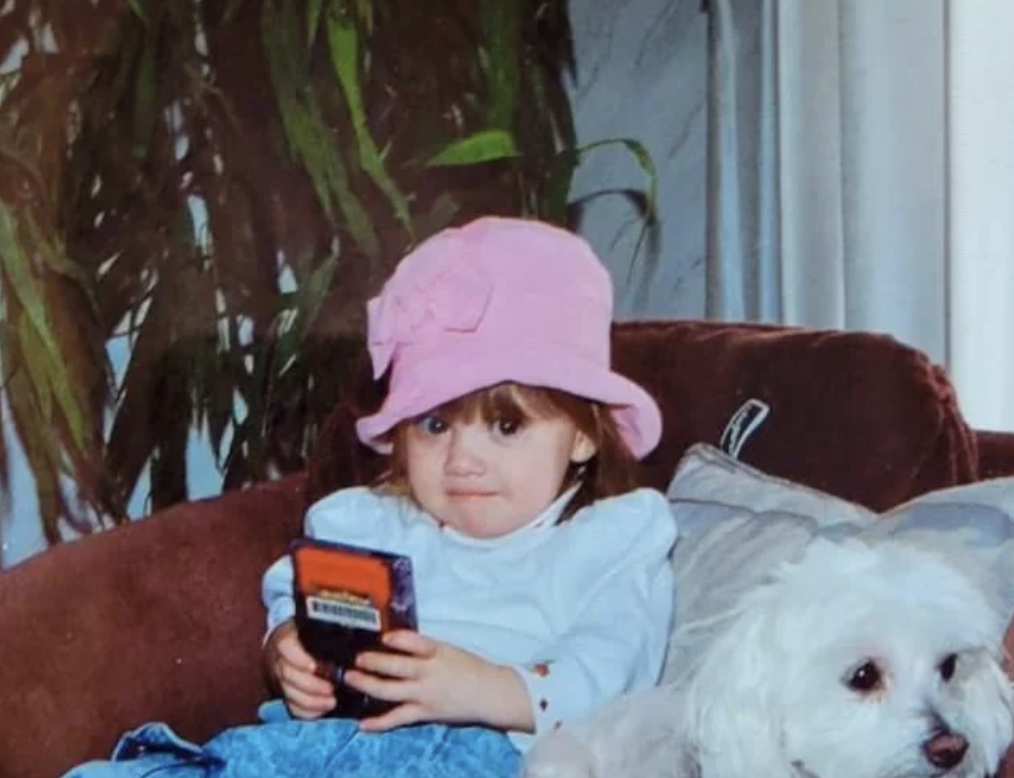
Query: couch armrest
{"type": "Point", "coordinates": [157, 620]}
{"type": "Point", "coordinates": [996, 453]}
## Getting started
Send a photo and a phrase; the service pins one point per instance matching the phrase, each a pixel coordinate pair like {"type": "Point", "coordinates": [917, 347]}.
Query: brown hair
{"type": "Point", "coordinates": [611, 471]}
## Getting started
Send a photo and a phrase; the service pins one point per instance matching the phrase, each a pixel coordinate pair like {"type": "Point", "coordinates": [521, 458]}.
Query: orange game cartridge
{"type": "Point", "coordinates": [347, 597]}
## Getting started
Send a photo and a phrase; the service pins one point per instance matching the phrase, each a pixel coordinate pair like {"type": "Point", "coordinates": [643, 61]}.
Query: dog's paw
{"type": "Point", "coordinates": [560, 755]}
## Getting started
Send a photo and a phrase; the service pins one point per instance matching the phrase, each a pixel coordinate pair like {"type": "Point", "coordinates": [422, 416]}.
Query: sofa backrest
{"type": "Point", "coordinates": [859, 415]}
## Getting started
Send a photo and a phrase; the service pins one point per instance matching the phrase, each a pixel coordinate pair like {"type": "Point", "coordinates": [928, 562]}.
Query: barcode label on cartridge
{"type": "Point", "coordinates": [343, 613]}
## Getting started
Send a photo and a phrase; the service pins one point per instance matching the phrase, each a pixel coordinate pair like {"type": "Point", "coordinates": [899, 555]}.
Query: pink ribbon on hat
{"type": "Point", "coordinates": [433, 290]}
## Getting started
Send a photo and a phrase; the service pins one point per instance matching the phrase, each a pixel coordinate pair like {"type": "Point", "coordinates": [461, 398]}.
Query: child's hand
{"type": "Point", "coordinates": [307, 695]}
{"type": "Point", "coordinates": [438, 682]}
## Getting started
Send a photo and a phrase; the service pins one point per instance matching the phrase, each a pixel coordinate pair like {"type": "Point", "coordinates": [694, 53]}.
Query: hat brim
{"type": "Point", "coordinates": [432, 382]}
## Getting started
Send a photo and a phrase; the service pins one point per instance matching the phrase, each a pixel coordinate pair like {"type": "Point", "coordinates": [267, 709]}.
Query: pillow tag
{"type": "Point", "coordinates": [742, 425]}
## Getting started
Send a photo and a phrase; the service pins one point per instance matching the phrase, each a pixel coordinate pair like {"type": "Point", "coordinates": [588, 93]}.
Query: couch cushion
{"type": "Point", "coordinates": [858, 415]}
{"type": "Point", "coordinates": [717, 497]}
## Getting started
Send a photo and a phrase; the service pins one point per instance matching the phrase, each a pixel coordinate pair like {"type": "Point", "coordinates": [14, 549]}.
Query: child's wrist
{"type": "Point", "coordinates": [510, 707]}
{"type": "Point", "coordinates": [280, 631]}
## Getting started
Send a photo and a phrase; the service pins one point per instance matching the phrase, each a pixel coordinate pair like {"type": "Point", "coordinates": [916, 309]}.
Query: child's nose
{"type": "Point", "coordinates": [463, 456]}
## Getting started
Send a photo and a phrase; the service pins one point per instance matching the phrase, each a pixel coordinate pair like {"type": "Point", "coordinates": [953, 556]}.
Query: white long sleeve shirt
{"type": "Point", "coordinates": [580, 610]}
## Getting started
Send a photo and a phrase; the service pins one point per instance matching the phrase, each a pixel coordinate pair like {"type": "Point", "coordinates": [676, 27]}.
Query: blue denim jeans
{"type": "Point", "coordinates": [282, 747]}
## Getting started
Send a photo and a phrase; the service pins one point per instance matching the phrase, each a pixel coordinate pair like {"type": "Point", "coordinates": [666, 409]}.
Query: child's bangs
{"type": "Point", "coordinates": [503, 402]}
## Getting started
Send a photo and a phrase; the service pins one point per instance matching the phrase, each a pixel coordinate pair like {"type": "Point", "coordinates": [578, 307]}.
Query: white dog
{"type": "Point", "coordinates": [854, 660]}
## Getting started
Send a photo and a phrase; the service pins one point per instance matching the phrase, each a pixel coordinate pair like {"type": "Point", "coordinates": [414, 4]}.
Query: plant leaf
{"type": "Point", "coordinates": [145, 97]}
{"type": "Point", "coordinates": [47, 366]}
{"type": "Point", "coordinates": [307, 302]}
{"type": "Point", "coordinates": [34, 357]}
{"type": "Point", "coordinates": [569, 159]}
{"type": "Point", "coordinates": [556, 189]}
{"type": "Point", "coordinates": [312, 141]}
{"type": "Point", "coordinates": [444, 209]}
{"type": "Point", "coordinates": [138, 8]}
{"type": "Point", "coordinates": [502, 34]}
{"type": "Point", "coordinates": [58, 261]}
{"type": "Point", "coordinates": [34, 438]}
{"type": "Point", "coordinates": [483, 146]}
{"type": "Point", "coordinates": [23, 283]}
{"type": "Point", "coordinates": [232, 9]}
{"type": "Point", "coordinates": [365, 10]}
{"type": "Point", "coordinates": [343, 43]}
{"type": "Point", "coordinates": [643, 157]}
{"type": "Point", "coordinates": [314, 15]}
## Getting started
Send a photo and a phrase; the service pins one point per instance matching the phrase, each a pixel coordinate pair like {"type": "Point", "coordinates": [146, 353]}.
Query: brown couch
{"type": "Point", "coordinates": [161, 620]}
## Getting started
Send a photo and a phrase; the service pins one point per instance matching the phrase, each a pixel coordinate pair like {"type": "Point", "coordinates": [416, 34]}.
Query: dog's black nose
{"type": "Point", "coordinates": [945, 749]}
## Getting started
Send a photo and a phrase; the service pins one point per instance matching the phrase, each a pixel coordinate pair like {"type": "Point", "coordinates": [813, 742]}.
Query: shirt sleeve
{"type": "Point", "coordinates": [276, 593]}
{"type": "Point", "coordinates": [349, 516]}
{"type": "Point", "coordinates": [619, 590]}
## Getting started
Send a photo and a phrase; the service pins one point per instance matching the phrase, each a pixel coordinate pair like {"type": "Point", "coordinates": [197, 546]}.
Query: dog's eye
{"type": "Point", "coordinates": [866, 678]}
{"type": "Point", "coordinates": [948, 666]}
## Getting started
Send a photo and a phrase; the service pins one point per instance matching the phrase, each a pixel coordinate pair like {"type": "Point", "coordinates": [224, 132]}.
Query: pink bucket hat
{"type": "Point", "coordinates": [499, 300]}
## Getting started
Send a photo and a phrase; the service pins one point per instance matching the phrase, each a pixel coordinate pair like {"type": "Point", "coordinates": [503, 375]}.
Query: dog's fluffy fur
{"type": "Point", "coordinates": [856, 660]}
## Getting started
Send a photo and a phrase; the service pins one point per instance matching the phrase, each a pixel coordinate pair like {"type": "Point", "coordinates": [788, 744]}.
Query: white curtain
{"type": "Point", "coordinates": [862, 177]}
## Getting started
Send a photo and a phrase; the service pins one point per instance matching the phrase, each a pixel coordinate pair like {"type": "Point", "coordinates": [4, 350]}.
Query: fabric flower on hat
{"type": "Point", "coordinates": [435, 287]}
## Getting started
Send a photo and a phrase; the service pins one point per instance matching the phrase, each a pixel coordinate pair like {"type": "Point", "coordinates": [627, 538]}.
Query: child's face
{"type": "Point", "coordinates": [486, 478]}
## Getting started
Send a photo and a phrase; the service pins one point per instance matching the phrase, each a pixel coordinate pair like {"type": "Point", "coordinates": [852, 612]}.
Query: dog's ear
{"type": "Point", "coordinates": [717, 568]}
{"type": "Point", "coordinates": [975, 540]}
{"type": "Point", "coordinates": [733, 716]}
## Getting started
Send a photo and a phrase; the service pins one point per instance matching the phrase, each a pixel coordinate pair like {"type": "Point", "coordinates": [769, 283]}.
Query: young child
{"type": "Point", "coordinates": [542, 574]}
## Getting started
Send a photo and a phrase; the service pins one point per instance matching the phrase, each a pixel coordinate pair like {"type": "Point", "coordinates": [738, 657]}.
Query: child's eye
{"type": "Point", "coordinates": [506, 427]}
{"type": "Point", "coordinates": [432, 424]}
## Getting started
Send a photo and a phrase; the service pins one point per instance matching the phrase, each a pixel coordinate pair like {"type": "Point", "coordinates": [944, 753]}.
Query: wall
{"type": "Point", "coordinates": [642, 74]}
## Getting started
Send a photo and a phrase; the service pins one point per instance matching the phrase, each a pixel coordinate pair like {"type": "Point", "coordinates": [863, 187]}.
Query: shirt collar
{"type": "Point", "coordinates": [547, 518]}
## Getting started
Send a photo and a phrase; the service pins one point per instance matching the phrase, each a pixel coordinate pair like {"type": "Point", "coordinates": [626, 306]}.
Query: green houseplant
{"type": "Point", "coordinates": [208, 190]}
